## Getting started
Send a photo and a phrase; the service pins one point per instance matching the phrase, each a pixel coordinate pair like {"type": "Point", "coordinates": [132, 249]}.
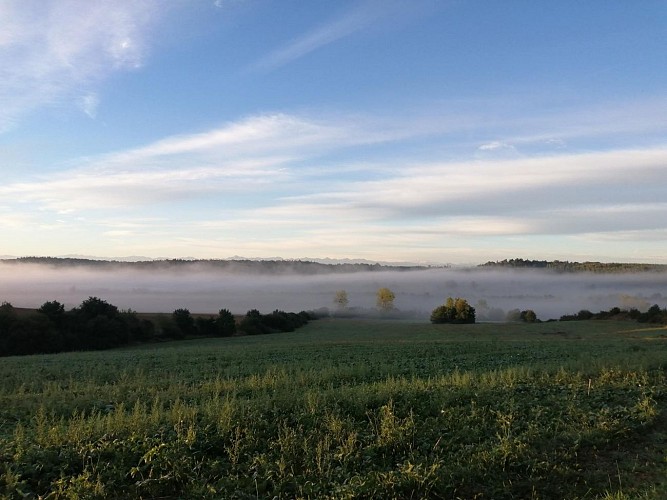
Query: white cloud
{"type": "Point", "coordinates": [265, 154]}
{"type": "Point", "coordinates": [89, 103]}
{"type": "Point", "coordinates": [49, 49]}
{"type": "Point", "coordinates": [264, 132]}
{"type": "Point", "coordinates": [495, 145]}
{"type": "Point", "coordinates": [249, 155]}
{"type": "Point", "coordinates": [556, 143]}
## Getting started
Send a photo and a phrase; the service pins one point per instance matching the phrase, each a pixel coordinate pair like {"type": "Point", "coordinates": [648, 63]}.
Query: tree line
{"type": "Point", "coordinates": [95, 324]}
{"type": "Point", "coordinates": [566, 266]}
{"type": "Point", "coordinates": [235, 266]}
{"type": "Point", "coordinates": [654, 315]}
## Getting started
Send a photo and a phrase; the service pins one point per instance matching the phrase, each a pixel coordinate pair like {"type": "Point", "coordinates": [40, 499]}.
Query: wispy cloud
{"type": "Point", "coordinates": [249, 155]}
{"type": "Point", "coordinates": [53, 51]}
{"type": "Point", "coordinates": [365, 14]}
{"type": "Point", "coordinates": [88, 104]}
{"type": "Point", "coordinates": [495, 146]}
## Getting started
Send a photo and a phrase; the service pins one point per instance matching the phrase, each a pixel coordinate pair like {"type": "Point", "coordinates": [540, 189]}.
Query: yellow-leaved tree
{"type": "Point", "coordinates": [385, 299]}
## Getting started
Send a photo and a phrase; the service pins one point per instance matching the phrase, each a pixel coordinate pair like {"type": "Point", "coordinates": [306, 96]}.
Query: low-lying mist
{"type": "Point", "coordinates": [207, 290]}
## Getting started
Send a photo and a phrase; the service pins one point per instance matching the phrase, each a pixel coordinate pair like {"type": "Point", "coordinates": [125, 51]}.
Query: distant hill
{"type": "Point", "coordinates": [233, 266]}
{"type": "Point", "coordinates": [566, 266]}
{"type": "Point", "coordinates": [279, 266]}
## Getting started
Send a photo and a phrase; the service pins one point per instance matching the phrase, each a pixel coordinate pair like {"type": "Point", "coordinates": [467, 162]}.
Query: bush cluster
{"type": "Point", "coordinates": [454, 311]}
{"type": "Point", "coordinates": [255, 323]}
{"type": "Point", "coordinates": [96, 325]}
{"type": "Point", "coordinates": [183, 324]}
{"type": "Point", "coordinates": [654, 315]}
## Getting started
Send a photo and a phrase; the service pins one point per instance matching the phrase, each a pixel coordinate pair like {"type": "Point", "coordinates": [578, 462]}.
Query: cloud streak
{"type": "Point", "coordinates": [249, 155]}
{"type": "Point", "coordinates": [364, 15]}
{"type": "Point", "coordinates": [53, 51]}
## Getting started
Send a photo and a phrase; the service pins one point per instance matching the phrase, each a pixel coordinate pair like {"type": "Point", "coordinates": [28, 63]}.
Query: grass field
{"type": "Point", "coordinates": [346, 409]}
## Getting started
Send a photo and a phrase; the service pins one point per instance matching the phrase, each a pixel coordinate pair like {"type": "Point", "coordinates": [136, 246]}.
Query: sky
{"type": "Point", "coordinates": [426, 131]}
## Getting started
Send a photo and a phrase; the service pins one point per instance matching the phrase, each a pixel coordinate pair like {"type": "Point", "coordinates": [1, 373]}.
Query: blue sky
{"type": "Point", "coordinates": [422, 131]}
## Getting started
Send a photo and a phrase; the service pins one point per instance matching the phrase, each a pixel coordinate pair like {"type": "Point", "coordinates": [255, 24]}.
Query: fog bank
{"type": "Point", "coordinates": [206, 290]}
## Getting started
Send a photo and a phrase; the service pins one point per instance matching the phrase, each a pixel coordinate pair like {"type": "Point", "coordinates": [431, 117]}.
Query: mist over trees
{"type": "Point", "coordinates": [166, 292]}
{"type": "Point", "coordinates": [340, 299]}
{"type": "Point", "coordinates": [198, 286]}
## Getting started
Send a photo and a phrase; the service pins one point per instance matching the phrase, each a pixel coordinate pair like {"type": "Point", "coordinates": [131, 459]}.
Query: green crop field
{"type": "Point", "coordinates": [346, 409]}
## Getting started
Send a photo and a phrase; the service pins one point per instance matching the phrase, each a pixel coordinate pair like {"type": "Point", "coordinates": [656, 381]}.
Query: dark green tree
{"type": "Point", "coordinates": [8, 316]}
{"type": "Point", "coordinates": [206, 326]}
{"type": "Point", "coordinates": [102, 332]}
{"type": "Point", "coordinates": [55, 311]}
{"type": "Point", "coordinates": [584, 314]}
{"type": "Point", "coordinates": [95, 324]}
{"type": "Point", "coordinates": [253, 323]}
{"type": "Point", "coordinates": [225, 323]}
{"type": "Point", "coordinates": [94, 306]}
{"type": "Point", "coordinates": [140, 329]}
{"type": "Point", "coordinates": [184, 321]}
{"type": "Point", "coordinates": [33, 334]}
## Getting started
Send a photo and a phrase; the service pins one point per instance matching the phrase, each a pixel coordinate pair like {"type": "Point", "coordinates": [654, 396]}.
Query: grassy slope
{"type": "Point", "coordinates": [347, 409]}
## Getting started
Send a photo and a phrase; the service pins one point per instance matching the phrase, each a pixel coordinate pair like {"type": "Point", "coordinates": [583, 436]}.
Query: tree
{"type": "Point", "coordinates": [253, 323]}
{"type": "Point", "coordinates": [442, 314]}
{"type": "Point", "coordinates": [528, 316]}
{"type": "Point", "coordinates": [385, 299]}
{"type": "Point", "coordinates": [33, 334]}
{"type": "Point", "coordinates": [513, 315]}
{"type": "Point", "coordinates": [584, 314]}
{"type": "Point", "coordinates": [95, 324]}
{"type": "Point", "coordinates": [340, 299]}
{"type": "Point", "coordinates": [206, 326]}
{"type": "Point", "coordinates": [8, 316]}
{"type": "Point", "coordinates": [465, 313]}
{"type": "Point", "coordinates": [55, 311]}
{"type": "Point", "coordinates": [94, 306]}
{"type": "Point", "coordinates": [141, 330]}
{"type": "Point", "coordinates": [184, 321]}
{"type": "Point", "coordinates": [226, 323]}
{"type": "Point", "coordinates": [102, 332]}
{"type": "Point", "coordinates": [484, 312]}
{"type": "Point", "coordinates": [454, 311]}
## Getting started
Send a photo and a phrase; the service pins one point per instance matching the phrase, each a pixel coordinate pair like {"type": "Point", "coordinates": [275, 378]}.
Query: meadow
{"type": "Point", "coordinates": [346, 409]}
